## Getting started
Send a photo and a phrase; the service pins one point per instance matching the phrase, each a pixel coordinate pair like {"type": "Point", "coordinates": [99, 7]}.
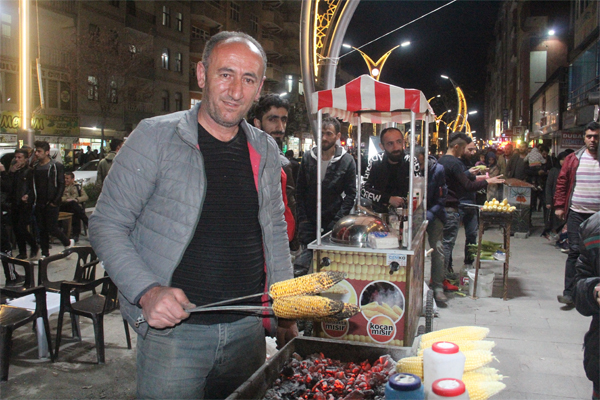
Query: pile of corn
{"type": "Point", "coordinates": [362, 266]}
{"type": "Point", "coordinates": [296, 298]}
{"type": "Point", "coordinates": [498, 206]}
{"type": "Point", "coordinates": [481, 382]}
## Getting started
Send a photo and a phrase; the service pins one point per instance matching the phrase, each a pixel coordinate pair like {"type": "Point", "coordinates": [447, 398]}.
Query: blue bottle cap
{"type": "Point", "coordinates": [404, 382]}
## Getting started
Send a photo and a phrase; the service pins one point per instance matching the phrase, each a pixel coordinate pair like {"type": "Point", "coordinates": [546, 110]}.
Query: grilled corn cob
{"type": "Point", "coordinates": [348, 311]}
{"type": "Point", "coordinates": [306, 307]}
{"type": "Point", "coordinates": [307, 284]}
{"type": "Point", "coordinates": [464, 345]}
{"type": "Point", "coordinates": [411, 365]}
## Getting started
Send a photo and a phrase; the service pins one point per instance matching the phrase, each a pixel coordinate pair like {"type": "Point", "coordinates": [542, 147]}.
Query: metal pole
{"type": "Point", "coordinates": [426, 163]}
{"type": "Point", "coordinates": [306, 50]}
{"type": "Point", "coordinates": [358, 174]}
{"type": "Point", "coordinates": [319, 183]}
{"type": "Point", "coordinates": [409, 198]}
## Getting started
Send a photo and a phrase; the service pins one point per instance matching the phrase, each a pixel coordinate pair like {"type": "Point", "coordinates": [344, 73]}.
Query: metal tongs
{"type": "Point", "coordinates": [226, 305]}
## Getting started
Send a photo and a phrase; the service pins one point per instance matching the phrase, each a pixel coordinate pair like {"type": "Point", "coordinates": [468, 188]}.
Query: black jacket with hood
{"type": "Point", "coordinates": [56, 183]}
{"type": "Point", "coordinates": [339, 178]}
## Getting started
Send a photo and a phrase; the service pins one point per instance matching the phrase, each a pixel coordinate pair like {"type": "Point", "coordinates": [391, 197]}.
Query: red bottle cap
{"type": "Point", "coordinates": [445, 347]}
{"type": "Point", "coordinates": [448, 387]}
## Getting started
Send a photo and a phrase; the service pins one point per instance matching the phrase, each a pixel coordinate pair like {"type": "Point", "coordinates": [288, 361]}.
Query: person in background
{"type": "Point", "coordinates": [587, 296]}
{"type": "Point", "coordinates": [294, 163]}
{"type": "Point", "coordinates": [552, 225]}
{"type": "Point", "coordinates": [20, 178]}
{"type": "Point", "coordinates": [85, 157]}
{"type": "Point", "coordinates": [72, 199]}
{"type": "Point", "coordinates": [192, 214]}
{"type": "Point", "coordinates": [105, 164]}
{"type": "Point", "coordinates": [515, 167]}
{"type": "Point", "coordinates": [494, 191]}
{"type": "Point", "coordinates": [577, 198]}
{"type": "Point", "coordinates": [436, 217]}
{"type": "Point", "coordinates": [501, 156]}
{"type": "Point", "coordinates": [48, 188]}
{"type": "Point", "coordinates": [338, 190]}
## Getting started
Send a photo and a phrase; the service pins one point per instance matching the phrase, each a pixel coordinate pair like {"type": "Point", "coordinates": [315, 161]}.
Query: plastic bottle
{"type": "Point", "coordinates": [448, 388]}
{"type": "Point", "coordinates": [442, 360]}
{"type": "Point", "coordinates": [404, 386]}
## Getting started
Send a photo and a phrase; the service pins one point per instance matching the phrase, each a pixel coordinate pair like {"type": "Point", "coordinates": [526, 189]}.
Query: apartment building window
{"type": "Point", "coordinates": [165, 100]}
{"type": "Point", "coordinates": [254, 23]}
{"type": "Point", "coordinates": [6, 25]}
{"type": "Point", "coordinates": [234, 12]}
{"type": "Point", "coordinates": [112, 95]}
{"type": "Point", "coordinates": [164, 58]}
{"type": "Point", "coordinates": [193, 67]}
{"type": "Point", "coordinates": [193, 102]}
{"type": "Point", "coordinates": [9, 88]}
{"type": "Point", "coordinates": [179, 18]}
{"type": "Point", "coordinates": [92, 88]}
{"type": "Point", "coordinates": [178, 103]}
{"type": "Point", "coordinates": [52, 93]}
{"type": "Point", "coordinates": [178, 62]}
{"type": "Point", "coordinates": [166, 16]}
{"type": "Point", "coordinates": [199, 33]}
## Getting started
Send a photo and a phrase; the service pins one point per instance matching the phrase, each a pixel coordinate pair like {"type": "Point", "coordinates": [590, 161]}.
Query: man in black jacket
{"type": "Point", "coordinates": [48, 187]}
{"type": "Point", "coordinates": [587, 295]}
{"type": "Point", "coordinates": [338, 190]}
{"type": "Point", "coordinates": [386, 179]}
{"type": "Point", "coordinates": [21, 198]}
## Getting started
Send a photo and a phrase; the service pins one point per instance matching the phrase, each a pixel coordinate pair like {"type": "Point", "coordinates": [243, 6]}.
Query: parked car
{"type": "Point", "coordinates": [87, 173]}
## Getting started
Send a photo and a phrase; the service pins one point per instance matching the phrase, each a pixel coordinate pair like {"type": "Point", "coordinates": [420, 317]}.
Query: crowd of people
{"type": "Point", "coordinates": [202, 206]}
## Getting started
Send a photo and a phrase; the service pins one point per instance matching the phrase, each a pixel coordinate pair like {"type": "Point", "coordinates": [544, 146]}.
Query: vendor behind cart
{"type": "Point", "coordinates": [192, 212]}
{"type": "Point", "coordinates": [387, 177]}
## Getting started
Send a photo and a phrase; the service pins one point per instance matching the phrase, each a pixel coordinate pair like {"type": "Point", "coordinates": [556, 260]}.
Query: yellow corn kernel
{"type": "Point", "coordinates": [306, 307]}
{"type": "Point", "coordinates": [452, 334]}
{"type": "Point", "coordinates": [477, 358]}
{"type": "Point", "coordinates": [307, 284]}
{"type": "Point", "coordinates": [411, 365]}
{"type": "Point", "coordinates": [483, 390]}
{"type": "Point", "coordinates": [483, 374]}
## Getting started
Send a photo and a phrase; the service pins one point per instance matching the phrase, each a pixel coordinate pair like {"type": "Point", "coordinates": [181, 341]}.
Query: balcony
{"type": "Point", "coordinates": [271, 20]}
{"type": "Point", "coordinates": [291, 69]}
{"type": "Point", "coordinates": [210, 13]}
{"type": "Point", "coordinates": [139, 20]}
{"type": "Point", "coordinates": [274, 72]}
{"type": "Point", "coordinates": [272, 46]}
{"type": "Point", "coordinates": [62, 6]}
{"type": "Point", "coordinates": [51, 56]}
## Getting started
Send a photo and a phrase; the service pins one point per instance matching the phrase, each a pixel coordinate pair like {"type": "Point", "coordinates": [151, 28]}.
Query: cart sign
{"type": "Point", "coordinates": [399, 258]}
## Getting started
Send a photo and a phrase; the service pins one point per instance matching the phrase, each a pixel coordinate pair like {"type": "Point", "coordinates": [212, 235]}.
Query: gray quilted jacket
{"type": "Point", "coordinates": [149, 206]}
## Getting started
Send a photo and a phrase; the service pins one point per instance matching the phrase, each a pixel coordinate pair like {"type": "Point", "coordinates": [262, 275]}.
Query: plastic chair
{"type": "Point", "coordinates": [85, 266]}
{"type": "Point", "coordinates": [93, 307]}
{"type": "Point", "coordinates": [12, 318]}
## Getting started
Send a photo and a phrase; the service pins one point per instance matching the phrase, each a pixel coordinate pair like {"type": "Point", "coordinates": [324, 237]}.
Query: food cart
{"type": "Point", "coordinates": [386, 283]}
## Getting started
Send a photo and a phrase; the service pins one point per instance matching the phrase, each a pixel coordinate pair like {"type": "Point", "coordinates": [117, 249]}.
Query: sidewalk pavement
{"type": "Point", "coordinates": [538, 341]}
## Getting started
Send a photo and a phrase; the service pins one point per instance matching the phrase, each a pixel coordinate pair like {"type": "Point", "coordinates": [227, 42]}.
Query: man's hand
{"type": "Point", "coordinates": [548, 206]}
{"type": "Point", "coordinates": [495, 180]}
{"type": "Point", "coordinates": [597, 293]}
{"type": "Point", "coordinates": [396, 201]}
{"type": "Point", "coordinates": [560, 213]}
{"type": "Point", "coordinates": [286, 331]}
{"type": "Point", "coordinates": [24, 198]}
{"type": "Point", "coordinates": [2, 169]}
{"type": "Point", "coordinates": [475, 170]}
{"type": "Point", "coordinates": [164, 307]}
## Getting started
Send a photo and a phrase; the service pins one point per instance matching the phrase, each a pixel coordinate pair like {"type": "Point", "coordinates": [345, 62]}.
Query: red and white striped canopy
{"type": "Point", "coordinates": [378, 102]}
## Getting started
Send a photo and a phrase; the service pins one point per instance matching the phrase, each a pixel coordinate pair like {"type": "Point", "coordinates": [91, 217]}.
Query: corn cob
{"type": "Point", "coordinates": [411, 365]}
{"type": "Point", "coordinates": [488, 371]}
{"type": "Point", "coordinates": [348, 311]}
{"type": "Point", "coordinates": [307, 284]}
{"type": "Point", "coordinates": [306, 307]}
{"type": "Point", "coordinates": [459, 333]}
{"type": "Point", "coordinates": [480, 375]}
{"type": "Point", "coordinates": [336, 289]}
{"type": "Point", "coordinates": [483, 390]}
{"type": "Point", "coordinates": [464, 345]}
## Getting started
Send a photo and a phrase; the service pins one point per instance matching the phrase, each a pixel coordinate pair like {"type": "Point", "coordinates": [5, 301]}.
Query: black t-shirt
{"type": "Point", "coordinates": [225, 257]}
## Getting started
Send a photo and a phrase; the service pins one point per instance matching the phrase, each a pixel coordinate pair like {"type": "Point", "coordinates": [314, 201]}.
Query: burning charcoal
{"type": "Point", "coordinates": [297, 356]}
{"type": "Point", "coordinates": [287, 371]}
{"type": "Point", "coordinates": [355, 395]}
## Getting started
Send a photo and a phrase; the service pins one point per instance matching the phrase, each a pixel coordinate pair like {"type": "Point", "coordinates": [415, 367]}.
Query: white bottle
{"type": "Point", "coordinates": [442, 360]}
{"type": "Point", "coordinates": [448, 388]}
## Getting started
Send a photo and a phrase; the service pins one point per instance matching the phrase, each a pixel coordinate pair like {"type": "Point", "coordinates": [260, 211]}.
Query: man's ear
{"type": "Point", "coordinates": [257, 123]}
{"type": "Point", "coordinates": [257, 97]}
{"type": "Point", "coordinates": [201, 74]}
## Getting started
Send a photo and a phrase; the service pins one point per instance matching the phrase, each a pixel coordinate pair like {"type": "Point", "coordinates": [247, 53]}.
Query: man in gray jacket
{"type": "Point", "coordinates": [192, 214]}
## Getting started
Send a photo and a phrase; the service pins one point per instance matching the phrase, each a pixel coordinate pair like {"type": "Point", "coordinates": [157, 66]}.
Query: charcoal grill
{"type": "Point", "coordinates": [257, 385]}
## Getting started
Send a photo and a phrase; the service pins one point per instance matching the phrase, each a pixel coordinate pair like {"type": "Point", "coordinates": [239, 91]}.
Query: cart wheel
{"type": "Point", "coordinates": [429, 312]}
{"type": "Point", "coordinates": [420, 330]}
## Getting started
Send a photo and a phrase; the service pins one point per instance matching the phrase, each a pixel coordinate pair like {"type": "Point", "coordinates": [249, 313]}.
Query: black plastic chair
{"type": "Point", "coordinates": [12, 317]}
{"type": "Point", "coordinates": [84, 271]}
{"type": "Point", "coordinates": [18, 280]}
{"type": "Point", "coordinates": [93, 307]}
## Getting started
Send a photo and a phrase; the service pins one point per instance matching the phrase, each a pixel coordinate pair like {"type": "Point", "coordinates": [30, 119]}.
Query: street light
{"type": "Point", "coordinates": [460, 121]}
{"type": "Point", "coordinates": [375, 68]}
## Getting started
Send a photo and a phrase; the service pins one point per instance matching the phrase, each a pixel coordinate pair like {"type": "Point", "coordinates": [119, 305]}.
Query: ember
{"type": "Point", "coordinates": [321, 378]}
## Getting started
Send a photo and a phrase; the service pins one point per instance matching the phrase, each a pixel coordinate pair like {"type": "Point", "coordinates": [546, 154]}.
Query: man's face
{"type": "Point", "coordinates": [20, 160]}
{"type": "Point", "coordinates": [591, 140]}
{"type": "Point", "coordinates": [421, 158]}
{"type": "Point", "coordinates": [508, 150]}
{"type": "Point", "coordinates": [41, 154]}
{"type": "Point", "coordinates": [69, 180]}
{"type": "Point", "coordinates": [231, 83]}
{"type": "Point", "coordinates": [470, 150]}
{"type": "Point", "coordinates": [523, 149]}
{"type": "Point", "coordinates": [329, 137]}
{"type": "Point", "coordinates": [393, 145]}
{"type": "Point", "coordinates": [460, 150]}
{"type": "Point", "coordinates": [274, 122]}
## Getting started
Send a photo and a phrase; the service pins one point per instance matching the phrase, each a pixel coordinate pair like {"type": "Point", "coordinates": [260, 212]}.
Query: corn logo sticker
{"type": "Point", "coordinates": [335, 330]}
{"type": "Point", "coordinates": [382, 298]}
{"type": "Point", "coordinates": [381, 329]}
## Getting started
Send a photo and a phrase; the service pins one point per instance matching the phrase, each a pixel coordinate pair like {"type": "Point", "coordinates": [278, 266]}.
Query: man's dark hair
{"type": "Point", "coordinates": [22, 151]}
{"type": "Point", "coordinates": [333, 122]}
{"type": "Point", "coordinates": [592, 126]}
{"type": "Point", "coordinates": [72, 175]}
{"type": "Point", "coordinates": [42, 144]}
{"type": "Point", "coordinates": [386, 130]}
{"type": "Point", "coordinates": [543, 148]}
{"type": "Point", "coordinates": [562, 155]}
{"type": "Point", "coordinates": [233, 36]}
{"type": "Point", "coordinates": [459, 138]}
{"type": "Point", "coordinates": [114, 143]}
{"type": "Point", "coordinates": [266, 102]}
{"type": "Point", "coordinates": [289, 154]}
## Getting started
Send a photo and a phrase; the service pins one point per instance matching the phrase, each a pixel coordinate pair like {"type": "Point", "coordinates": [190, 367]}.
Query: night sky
{"type": "Point", "coordinates": [453, 41]}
